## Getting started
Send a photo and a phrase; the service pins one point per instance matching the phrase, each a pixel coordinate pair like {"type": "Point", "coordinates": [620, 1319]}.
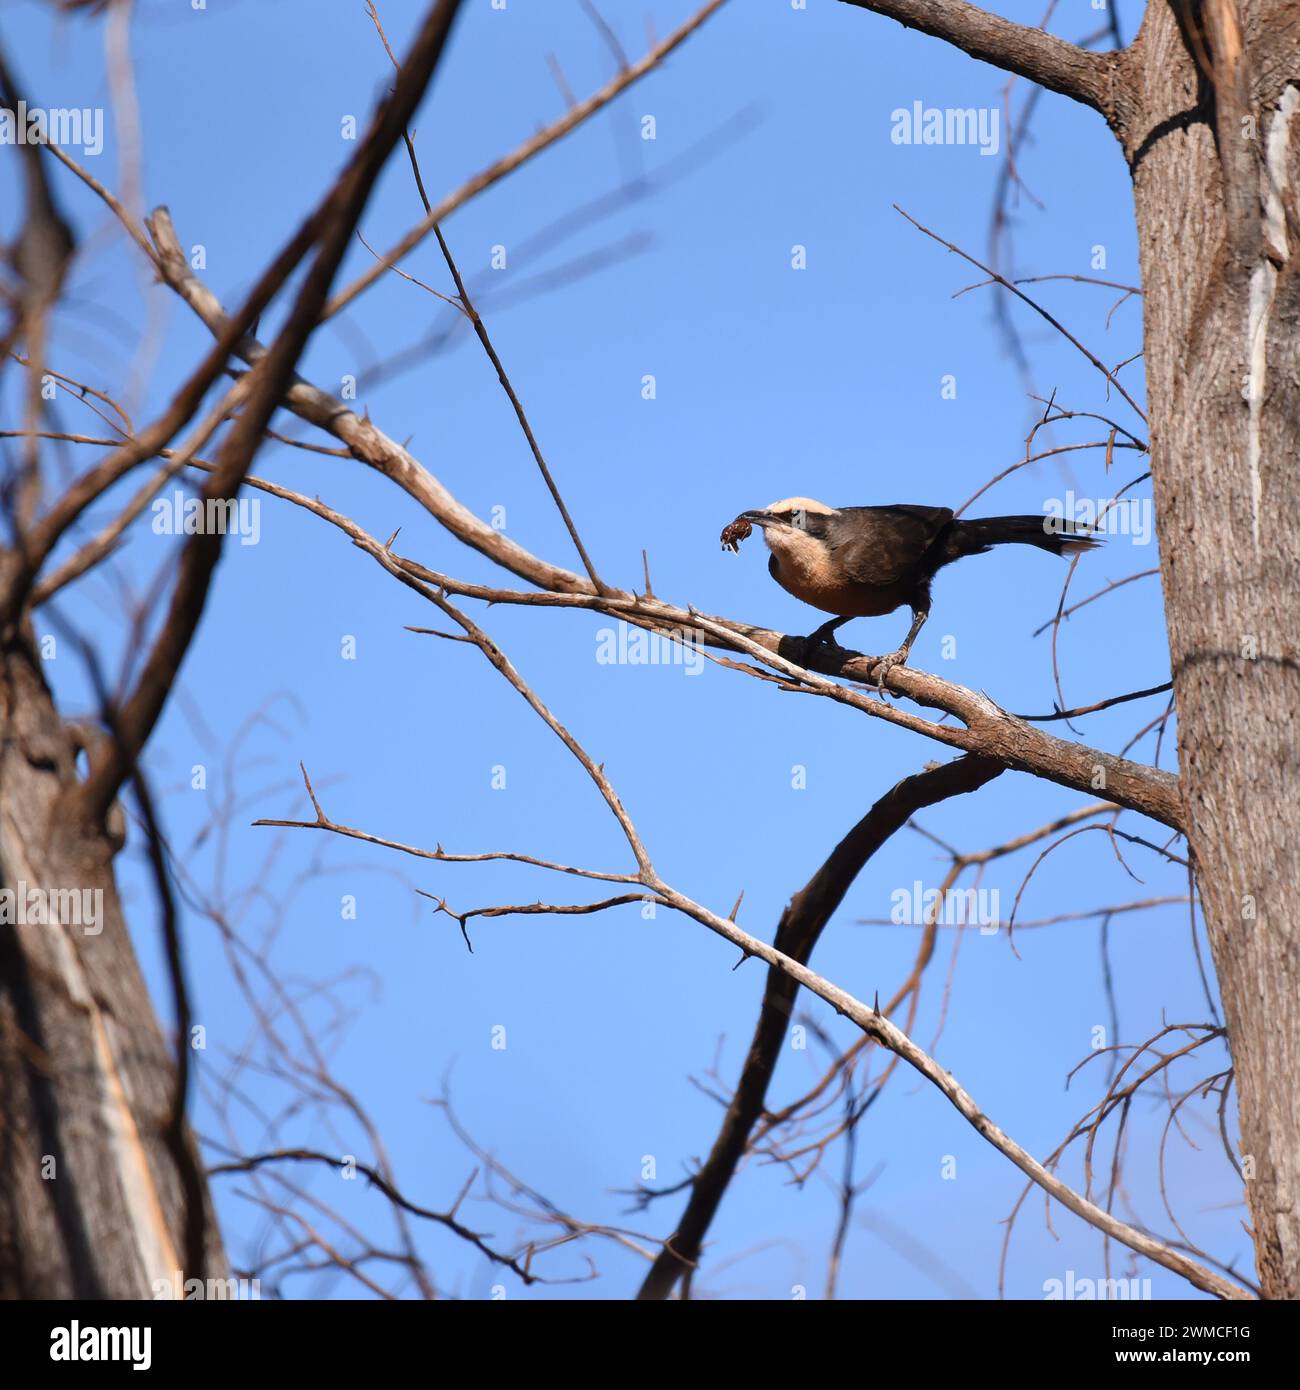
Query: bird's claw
{"type": "Point", "coordinates": [885, 664]}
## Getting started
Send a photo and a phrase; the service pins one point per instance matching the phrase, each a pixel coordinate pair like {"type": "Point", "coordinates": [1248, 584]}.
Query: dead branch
{"type": "Point", "coordinates": [1095, 79]}
{"type": "Point", "coordinates": [796, 934]}
{"type": "Point", "coordinates": [331, 225]}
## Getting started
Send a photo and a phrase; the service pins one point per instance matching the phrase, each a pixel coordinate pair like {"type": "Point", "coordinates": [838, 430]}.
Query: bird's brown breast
{"type": "Point", "coordinates": [806, 572]}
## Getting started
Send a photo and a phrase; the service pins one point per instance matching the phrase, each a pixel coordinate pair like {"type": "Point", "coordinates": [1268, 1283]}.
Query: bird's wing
{"type": "Point", "coordinates": [883, 545]}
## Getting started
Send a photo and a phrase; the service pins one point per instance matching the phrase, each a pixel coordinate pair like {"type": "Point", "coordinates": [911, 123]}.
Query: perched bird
{"type": "Point", "coordinates": [863, 562]}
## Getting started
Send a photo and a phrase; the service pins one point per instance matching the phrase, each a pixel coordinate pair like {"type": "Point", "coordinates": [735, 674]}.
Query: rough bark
{"type": "Point", "coordinates": [91, 1205]}
{"type": "Point", "coordinates": [1214, 145]}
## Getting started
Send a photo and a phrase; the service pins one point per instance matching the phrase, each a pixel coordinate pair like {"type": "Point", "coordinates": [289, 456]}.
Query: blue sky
{"type": "Point", "coordinates": [772, 131]}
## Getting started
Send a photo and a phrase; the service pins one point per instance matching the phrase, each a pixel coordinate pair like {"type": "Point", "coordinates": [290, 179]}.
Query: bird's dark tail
{"type": "Point", "coordinates": [1052, 533]}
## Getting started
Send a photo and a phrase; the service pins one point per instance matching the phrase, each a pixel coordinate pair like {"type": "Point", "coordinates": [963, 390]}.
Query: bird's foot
{"type": "Point", "coordinates": [885, 664]}
{"type": "Point", "coordinates": [808, 647]}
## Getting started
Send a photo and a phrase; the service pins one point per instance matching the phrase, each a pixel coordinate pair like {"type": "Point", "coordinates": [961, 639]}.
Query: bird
{"type": "Point", "coordinates": [864, 562]}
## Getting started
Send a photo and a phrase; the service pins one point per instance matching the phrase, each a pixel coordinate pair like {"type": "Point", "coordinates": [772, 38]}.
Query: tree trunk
{"type": "Point", "coordinates": [91, 1201]}
{"type": "Point", "coordinates": [1214, 145]}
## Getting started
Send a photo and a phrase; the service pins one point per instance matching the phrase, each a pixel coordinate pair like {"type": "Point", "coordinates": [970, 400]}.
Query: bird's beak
{"type": "Point", "coordinates": [758, 518]}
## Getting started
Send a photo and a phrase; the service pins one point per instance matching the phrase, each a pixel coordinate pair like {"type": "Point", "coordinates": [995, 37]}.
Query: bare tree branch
{"type": "Point", "coordinates": [995, 278]}
{"type": "Point", "coordinates": [466, 305]}
{"type": "Point", "coordinates": [797, 932]}
{"type": "Point", "coordinates": [507, 165]}
{"type": "Point", "coordinates": [331, 224]}
{"type": "Point", "coordinates": [1095, 79]}
{"type": "Point", "coordinates": [872, 1022]}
